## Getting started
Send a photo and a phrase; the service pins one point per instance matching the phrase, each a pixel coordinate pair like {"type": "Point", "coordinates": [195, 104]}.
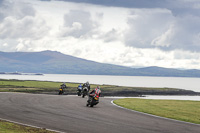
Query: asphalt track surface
{"type": "Point", "coordinates": [69, 114]}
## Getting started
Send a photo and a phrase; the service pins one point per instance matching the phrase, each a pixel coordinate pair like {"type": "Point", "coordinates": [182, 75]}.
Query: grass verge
{"type": "Point", "coordinates": [188, 111]}
{"type": "Point", "coordinates": [7, 127]}
{"type": "Point", "coordinates": [30, 86]}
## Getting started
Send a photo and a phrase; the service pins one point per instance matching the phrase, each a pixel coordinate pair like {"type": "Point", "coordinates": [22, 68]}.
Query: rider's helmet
{"type": "Point", "coordinates": [98, 87]}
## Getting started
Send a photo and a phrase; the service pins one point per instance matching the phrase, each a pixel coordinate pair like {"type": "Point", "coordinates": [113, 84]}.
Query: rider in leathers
{"type": "Point", "coordinates": [62, 87]}
{"type": "Point", "coordinates": [86, 85]}
{"type": "Point", "coordinates": [95, 92]}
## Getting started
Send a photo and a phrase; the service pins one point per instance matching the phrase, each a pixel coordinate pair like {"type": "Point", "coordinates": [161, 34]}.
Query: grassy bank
{"type": "Point", "coordinates": [188, 111]}
{"type": "Point", "coordinates": [32, 86]}
{"type": "Point", "coordinates": [111, 90]}
{"type": "Point", "coordinates": [7, 127]}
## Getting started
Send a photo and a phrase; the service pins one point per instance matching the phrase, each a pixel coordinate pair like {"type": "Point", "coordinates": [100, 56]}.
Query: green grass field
{"type": "Point", "coordinates": [188, 111]}
{"type": "Point", "coordinates": [7, 127]}
{"type": "Point", "coordinates": [32, 86]}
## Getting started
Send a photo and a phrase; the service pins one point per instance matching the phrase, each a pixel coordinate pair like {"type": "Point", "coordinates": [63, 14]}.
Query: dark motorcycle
{"type": "Point", "coordinates": [60, 91]}
{"type": "Point", "coordinates": [84, 92]}
{"type": "Point", "coordinates": [79, 91]}
{"type": "Point", "coordinates": [93, 101]}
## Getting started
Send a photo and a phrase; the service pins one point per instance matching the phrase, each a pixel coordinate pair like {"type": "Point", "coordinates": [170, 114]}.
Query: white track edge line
{"type": "Point", "coordinates": [6, 120]}
{"type": "Point", "coordinates": [154, 115]}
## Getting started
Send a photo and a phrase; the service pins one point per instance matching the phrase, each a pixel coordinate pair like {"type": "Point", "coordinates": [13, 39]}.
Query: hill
{"type": "Point", "coordinates": [57, 63]}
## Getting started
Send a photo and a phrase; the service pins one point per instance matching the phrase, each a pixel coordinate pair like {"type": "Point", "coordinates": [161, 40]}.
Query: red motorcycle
{"type": "Point", "coordinates": [93, 100]}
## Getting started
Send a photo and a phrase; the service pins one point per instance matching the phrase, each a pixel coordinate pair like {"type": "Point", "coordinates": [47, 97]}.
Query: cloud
{"type": "Point", "coordinates": [15, 9]}
{"type": "Point", "coordinates": [27, 27]}
{"type": "Point", "coordinates": [111, 36]}
{"type": "Point", "coordinates": [183, 34]}
{"type": "Point", "coordinates": [19, 26]}
{"type": "Point", "coordinates": [84, 24]}
{"type": "Point", "coordinates": [149, 33]}
{"type": "Point", "coordinates": [124, 3]}
{"type": "Point", "coordinates": [19, 20]}
{"type": "Point", "coordinates": [186, 55]}
{"type": "Point", "coordinates": [144, 26]}
{"type": "Point", "coordinates": [178, 7]}
{"type": "Point", "coordinates": [158, 28]}
{"type": "Point", "coordinates": [167, 25]}
{"type": "Point", "coordinates": [78, 23]}
{"type": "Point", "coordinates": [164, 40]}
{"type": "Point", "coordinates": [187, 33]}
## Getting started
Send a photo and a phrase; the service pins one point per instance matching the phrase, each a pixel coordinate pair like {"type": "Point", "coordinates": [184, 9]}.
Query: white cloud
{"type": "Point", "coordinates": [27, 27]}
{"type": "Point", "coordinates": [145, 25]}
{"type": "Point", "coordinates": [5, 44]}
{"type": "Point", "coordinates": [186, 33]}
{"type": "Point", "coordinates": [19, 21]}
{"type": "Point", "coordinates": [78, 26]}
{"type": "Point", "coordinates": [165, 39]}
{"type": "Point", "coordinates": [23, 45]}
{"type": "Point", "coordinates": [123, 36]}
{"type": "Point", "coordinates": [158, 28]}
{"type": "Point", "coordinates": [16, 9]}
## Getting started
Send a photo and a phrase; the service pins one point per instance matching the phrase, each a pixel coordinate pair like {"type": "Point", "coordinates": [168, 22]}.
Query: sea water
{"type": "Point", "coordinates": [130, 81]}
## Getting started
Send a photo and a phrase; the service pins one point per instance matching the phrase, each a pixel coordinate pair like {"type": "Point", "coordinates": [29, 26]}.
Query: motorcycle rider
{"type": "Point", "coordinates": [80, 87]}
{"type": "Point", "coordinates": [86, 85]}
{"type": "Point", "coordinates": [94, 92]}
{"type": "Point", "coordinates": [63, 86]}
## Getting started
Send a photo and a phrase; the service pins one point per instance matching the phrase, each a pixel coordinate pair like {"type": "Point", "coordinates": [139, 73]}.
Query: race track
{"type": "Point", "coordinates": [69, 114]}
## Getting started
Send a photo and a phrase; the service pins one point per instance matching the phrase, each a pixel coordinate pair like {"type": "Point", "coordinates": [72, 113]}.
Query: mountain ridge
{"type": "Point", "coordinates": [53, 62]}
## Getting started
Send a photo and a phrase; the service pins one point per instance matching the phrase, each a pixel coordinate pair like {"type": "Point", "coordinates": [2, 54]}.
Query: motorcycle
{"type": "Point", "coordinates": [84, 92]}
{"type": "Point", "coordinates": [60, 91]}
{"type": "Point", "coordinates": [79, 91]}
{"type": "Point", "coordinates": [94, 100]}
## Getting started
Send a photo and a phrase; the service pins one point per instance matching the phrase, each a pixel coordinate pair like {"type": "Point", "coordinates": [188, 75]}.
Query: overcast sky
{"type": "Point", "coordinates": [135, 33]}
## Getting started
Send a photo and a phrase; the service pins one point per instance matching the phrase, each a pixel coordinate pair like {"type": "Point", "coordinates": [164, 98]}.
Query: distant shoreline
{"type": "Point", "coordinates": [18, 73]}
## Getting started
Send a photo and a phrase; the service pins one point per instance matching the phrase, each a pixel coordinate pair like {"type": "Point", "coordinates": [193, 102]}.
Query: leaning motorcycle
{"type": "Point", "coordinates": [84, 92]}
{"type": "Point", "coordinates": [94, 100]}
{"type": "Point", "coordinates": [79, 91]}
